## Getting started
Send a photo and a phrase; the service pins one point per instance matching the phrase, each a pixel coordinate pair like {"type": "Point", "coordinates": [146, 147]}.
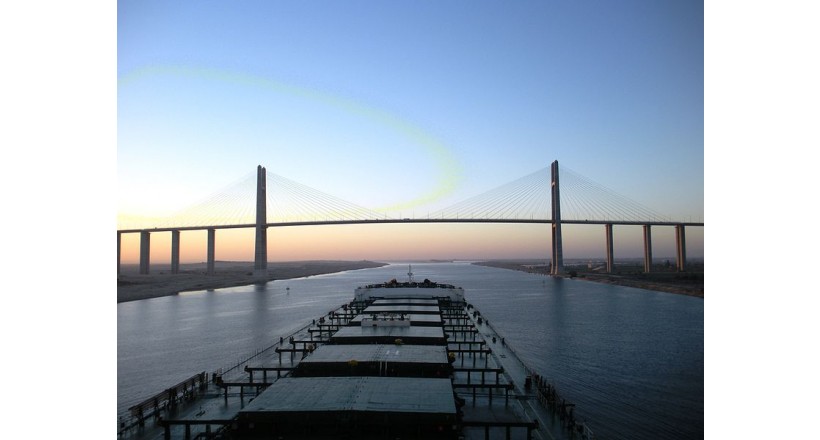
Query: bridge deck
{"type": "Point", "coordinates": [390, 221]}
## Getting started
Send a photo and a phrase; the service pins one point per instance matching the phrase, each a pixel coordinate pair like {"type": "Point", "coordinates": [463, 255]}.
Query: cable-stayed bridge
{"type": "Point", "coordinates": [546, 196]}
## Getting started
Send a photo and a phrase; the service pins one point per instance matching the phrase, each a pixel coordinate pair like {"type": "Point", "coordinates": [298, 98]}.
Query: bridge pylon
{"type": "Point", "coordinates": [260, 266]}
{"type": "Point", "coordinates": [680, 241]}
{"type": "Point", "coordinates": [557, 265]}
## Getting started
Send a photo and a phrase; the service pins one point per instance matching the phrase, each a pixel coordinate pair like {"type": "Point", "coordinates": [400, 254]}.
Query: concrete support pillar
{"type": "Point", "coordinates": [557, 247]}
{"type": "Point", "coordinates": [145, 252]}
{"type": "Point", "coordinates": [119, 246]}
{"type": "Point", "coordinates": [211, 250]}
{"type": "Point", "coordinates": [680, 239]}
{"type": "Point", "coordinates": [174, 252]}
{"type": "Point", "coordinates": [609, 249]}
{"type": "Point", "coordinates": [647, 248]}
{"type": "Point", "coordinates": [260, 266]}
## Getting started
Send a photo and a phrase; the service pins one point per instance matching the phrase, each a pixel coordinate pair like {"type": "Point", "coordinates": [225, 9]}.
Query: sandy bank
{"type": "Point", "coordinates": [132, 286]}
{"type": "Point", "coordinates": [681, 283]}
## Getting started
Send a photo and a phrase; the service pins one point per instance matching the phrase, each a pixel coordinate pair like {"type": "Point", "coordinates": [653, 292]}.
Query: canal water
{"type": "Point", "coordinates": [631, 360]}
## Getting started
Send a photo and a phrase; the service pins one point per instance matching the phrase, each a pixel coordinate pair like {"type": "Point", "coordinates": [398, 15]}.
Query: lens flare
{"type": "Point", "coordinates": [448, 171]}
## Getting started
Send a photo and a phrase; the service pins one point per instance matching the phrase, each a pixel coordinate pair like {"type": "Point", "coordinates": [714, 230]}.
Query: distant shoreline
{"type": "Point", "coordinates": [690, 284]}
{"type": "Point", "coordinates": [131, 286]}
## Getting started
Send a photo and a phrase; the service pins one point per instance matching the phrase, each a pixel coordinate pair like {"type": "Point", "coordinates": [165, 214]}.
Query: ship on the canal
{"type": "Point", "coordinates": [402, 360]}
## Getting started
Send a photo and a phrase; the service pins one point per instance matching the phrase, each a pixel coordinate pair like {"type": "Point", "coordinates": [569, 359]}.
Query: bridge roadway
{"type": "Point", "coordinates": [414, 220]}
{"type": "Point", "coordinates": [262, 227]}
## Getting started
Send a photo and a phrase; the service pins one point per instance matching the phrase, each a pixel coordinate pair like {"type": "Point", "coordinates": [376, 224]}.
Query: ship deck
{"type": "Point", "coordinates": [420, 335]}
{"type": "Point", "coordinates": [291, 396]}
{"type": "Point", "coordinates": [284, 391]}
{"type": "Point", "coordinates": [406, 302]}
{"type": "Point", "coordinates": [414, 318]}
{"type": "Point", "coordinates": [396, 309]}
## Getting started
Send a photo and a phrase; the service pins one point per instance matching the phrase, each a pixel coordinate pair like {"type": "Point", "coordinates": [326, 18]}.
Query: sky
{"type": "Point", "coordinates": [407, 107]}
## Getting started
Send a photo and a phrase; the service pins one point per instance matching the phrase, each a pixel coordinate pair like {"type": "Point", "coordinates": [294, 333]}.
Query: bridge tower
{"type": "Point", "coordinates": [260, 267]}
{"type": "Point", "coordinates": [145, 252]}
{"type": "Point", "coordinates": [557, 249]}
{"type": "Point", "coordinates": [680, 239]}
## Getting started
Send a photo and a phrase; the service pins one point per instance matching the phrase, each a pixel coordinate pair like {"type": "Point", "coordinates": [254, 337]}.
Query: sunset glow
{"type": "Point", "coordinates": [391, 242]}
